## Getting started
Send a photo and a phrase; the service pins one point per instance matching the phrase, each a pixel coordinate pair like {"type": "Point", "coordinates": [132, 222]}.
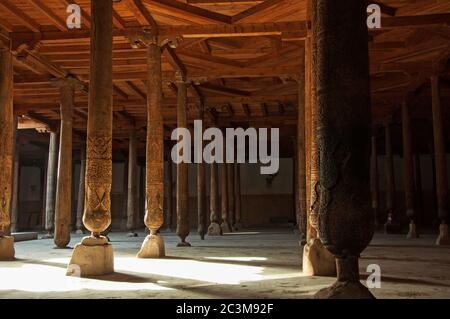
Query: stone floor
{"type": "Point", "coordinates": [248, 264]}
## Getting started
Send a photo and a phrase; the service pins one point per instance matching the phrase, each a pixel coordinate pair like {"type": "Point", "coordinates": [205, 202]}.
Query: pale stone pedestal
{"type": "Point", "coordinates": [225, 228]}
{"type": "Point", "coordinates": [7, 248]}
{"type": "Point", "coordinates": [152, 247]}
{"type": "Point", "coordinates": [412, 233]}
{"type": "Point", "coordinates": [94, 256]}
{"type": "Point", "coordinates": [214, 230]}
{"type": "Point", "coordinates": [317, 260]}
{"type": "Point", "coordinates": [443, 239]}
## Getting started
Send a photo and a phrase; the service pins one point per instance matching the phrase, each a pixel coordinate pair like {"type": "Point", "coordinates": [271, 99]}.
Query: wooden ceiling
{"type": "Point", "coordinates": [241, 55]}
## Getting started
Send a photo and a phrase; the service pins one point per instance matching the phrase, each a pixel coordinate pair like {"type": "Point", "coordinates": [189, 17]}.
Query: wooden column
{"type": "Point", "coordinates": [6, 152]}
{"type": "Point", "coordinates": [50, 193]}
{"type": "Point", "coordinates": [374, 179]}
{"type": "Point", "coordinates": [408, 170]}
{"type": "Point", "coordinates": [97, 210]}
{"type": "Point", "coordinates": [63, 206]}
{"type": "Point", "coordinates": [153, 245]}
{"type": "Point", "coordinates": [168, 184]}
{"type": "Point", "coordinates": [201, 200]}
{"type": "Point", "coordinates": [301, 156]}
{"type": "Point", "coordinates": [214, 228]}
{"type": "Point", "coordinates": [391, 226]}
{"type": "Point", "coordinates": [345, 222]}
{"type": "Point", "coordinates": [182, 168]}
{"type": "Point", "coordinates": [237, 196]}
{"type": "Point", "coordinates": [418, 188]}
{"type": "Point", "coordinates": [132, 187]}
{"type": "Point", "coordinates": [81, 191]}
{"type": "Point", "coordinates": [224, 199]}
{"type": "Point", "coordinates": [230, 192]}
{"type": "Point", "coordinates": [16, 181]}
{"type": "Point", "coordinates": [441, 165]}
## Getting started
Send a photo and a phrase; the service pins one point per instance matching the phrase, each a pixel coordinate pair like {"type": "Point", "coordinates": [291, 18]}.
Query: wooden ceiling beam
{"type": "Point", "coordinates": [255, 9]}
{"type": "Point", "coordinates": [142, 14]}
{"type": "Point", "coordinates": [19, 14]}
{"type": "Point", "coordinates": [174, 60]}
{"type": "Point", "coordinates": [45, 10]}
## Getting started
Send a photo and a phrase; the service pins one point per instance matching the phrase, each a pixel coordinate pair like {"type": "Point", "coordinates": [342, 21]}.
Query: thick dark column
{"type": "Point", "coordinates": [237, 197]}
{"type": "Point", "coordinates": [441, 164]}
{"type": "Point", "coordinates": [408, 170]}
{"type": "Point", "coordinates": [301, 157]}
{"type": "Point", "coordinates": [168, 184]}
{"type": "Point", "coordinates": [81, 190]}
{"type": "Point", "coordinates": [214, 228]}
{"type": "Point", "coordinates": [345, 219]}
{"type": "Point", "coordinates": [375, 185]}
{"type": "Point", "coordinates": [230, 192]}
{"type": "Point", "coordinates": [153, 245]}
{"type": "Point", "coordinates": [97, 211]}
{"type": "Point", "coordinates": [63, 205]}
{"type": "Point", "coordinates": [16, 181]}
{"type": "Point", "coordinates": [391, 226]}
{"type": "Point", "coordinates": [132, 187]}
{"type": "Point", "coordinates": [224, 198]}
{"type": "Point", "coordinates": [50, 194]}
{"type": "Point", "coordinates": [6, 152]}
{"type": "Point", "coordinates": [182, 169]}
{"type": "Point", "coordinates": [201, 200]}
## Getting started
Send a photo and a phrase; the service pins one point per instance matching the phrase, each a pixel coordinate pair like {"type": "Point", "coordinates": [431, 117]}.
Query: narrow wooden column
{"type": "Point", "coordinates": [391, 226]}
{"type": "Point", "coordinates": [182, 168]}
{"type": "Point", "coordinates": [418, 188]}
{"type": "Point", "coordinates": [237, 197]}
{"type": "Point", "coordinates": [132, 187]}
{"type": "Point", "coordinates": [201, 200]}
{"type": "Point", "coordinates": [63, 206]}
{"type": "Point", "coordinates": [81, 191]}
{"type": "Point", "coordinates": [317, 260]}
{"type": "Point", "coordinates": [441, 165]}
{"type": "Point", "coordinates": [224, 198]}
{"type": "Point", "coordinates": [16, 181]}
{"type": "Point", "coordinates": [343, 138]}
{"type": "Point", "coordinates": [97, 211]}
{"type": "Point", "coordinates": [408, 170]}
{"type": "Point", "coordinates": [6, 152]}
{"type": "Point", "coordinates": [301, 157]}
{"type": "Point", "coordinates": [153, 245]}
{"type": "Point", "coordinates": [230, 192]}
{"type": "Point", "coordinates": [214, 228]}
{"type": "Point", "coordinates": [50, 193]}
{"type": "Point", "coordinates": [374, 178]}
{"type": "Point", "coordinates": [168, 184]}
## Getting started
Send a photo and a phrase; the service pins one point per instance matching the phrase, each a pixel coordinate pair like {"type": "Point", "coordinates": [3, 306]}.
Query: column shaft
{"type": "Point", "coordinates": [224, 198]}
{"type": "Point", "coordinates": [391, 226]}
{"type": "Point", "coordinates": [375, 185]}
{"type": "Point", "coordinates": [230, 192]}
{"type": "Point", "coordinates": [169, 193]}
{"type": "Point", "coordinates": [81, 190]}
{"type": "Point", "coordinates": [132, 208]}
{"type": "Point", "coordinates": [237, 196]}
{"type": "Point", "coordinates": [201, 200]}
{"type": "Point", "coordinates": [214, 227]}
{"type": "Point", "coordinates": [16, 180]}
{"type": "Point", "coordinates": [50, 194]}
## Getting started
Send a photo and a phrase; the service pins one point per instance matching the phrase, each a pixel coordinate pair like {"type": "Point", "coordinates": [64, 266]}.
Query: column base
{"type": "Point", "coordinates": [79, 232]}
{"type": "Point", "coordinates": [225, 228]}
{"type": "Point", "coordinates": [49, 235]}
{"type": "Point", "coordinates": [214, 230]}
{"type": "Point", "coordinates": [317, 260]}
{"type": "Point", "coordinates": [392, 228]}
{"type": "Point", "coordinates": [183, 244]}
{"type": "Point", "coordinates": [412, 233]}
{"type": "Point", "coordinates": [347, 285]}
{"type": "Point", "coordinates": [94, 256]}
{"type": "Point", "coordinates": [7, 251]}
{"type": "Point", "coordinates": [132, 234]}
{"type": "Point", "coordinates": [443, 239]}
{"type": "Point", "coordinates": [152, 247]}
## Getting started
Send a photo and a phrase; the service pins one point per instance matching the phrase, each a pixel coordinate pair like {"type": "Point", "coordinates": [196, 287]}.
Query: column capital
{"type": "Point", "coordinates": [180, 77]}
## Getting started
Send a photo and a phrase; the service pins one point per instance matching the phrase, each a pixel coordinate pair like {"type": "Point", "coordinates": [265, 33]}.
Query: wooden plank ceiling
{"type": "Point", "coordinates": [241, 55]}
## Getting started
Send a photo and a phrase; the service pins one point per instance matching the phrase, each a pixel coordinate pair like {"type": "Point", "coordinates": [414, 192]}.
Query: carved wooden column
{"type": "Point", "coordinates": [345, 220]}
{"type": "Point", "coordinates": [441, 165]}
{"type": "Point", "coordinates": [230, 192]}
{"type": "Point", "coordinates": [153, 245]}
{"type": "Point", "coordinates": [375, 185]}
{"type": "Point", "coordinates": [237, 197]}
{"type": "Point", "coordinates": [168, 184]}
{"type": "Point", "coordinates": [6, 152]}
{"type": "Point", "coordinates": [408, 170]}
{"type": "Point", "coordinates": [391, 226]}
{"type": "Point", "coordinates": [132, 209]}
{"type": "Point", "coordinates": [317, 260]}
{"type": "Point", "coordinates": [16, 181]}
{"type": "Point", "coordinates": [63, 205]}
{"type": "Point", "coordinates": [97, 212]}
{"type": "Point", "coordinates": [224, 198]}
{"type": "Point", "coordinates": [301, 156]}
{"type": "Point", "coordinates": [182, 168]}
{"type": "Point", "coordinates": [214, 228]}
{"type": "Point", "coordinates": [50, 194]}
{"type": "Point", "coordinates": [81, 191]}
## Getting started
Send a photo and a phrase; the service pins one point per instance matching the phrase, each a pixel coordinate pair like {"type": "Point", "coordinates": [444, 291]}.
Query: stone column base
{"type": "Point", "coordinates": [443, 239]}
{"type": "Point", "coordinates": [225, 228]}
{"type": "Point", "coordinates": [92, 257]}
{"type": "Point", "coordinates": [214, 230]}
{"type": "Point", "coordinates": [317, 260]}
{"type": "Point", "coordinates": [412, 233]}
{"type": "Point", "coordinates": [152, 247]}
{"type": "Point", "coordinates": [7, 251]}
